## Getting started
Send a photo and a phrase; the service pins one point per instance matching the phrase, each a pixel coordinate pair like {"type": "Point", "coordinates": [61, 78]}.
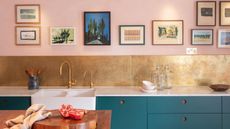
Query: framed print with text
{"type": "Point", "coordinates": [27, 35]}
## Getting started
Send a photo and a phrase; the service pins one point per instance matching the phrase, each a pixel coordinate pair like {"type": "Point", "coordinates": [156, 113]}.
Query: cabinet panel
{"type": "Point", "coordinates": [226, 121]}
{"type": "Point", "coordinates": [226, 104]}
{"type": "Point", "coordinates": [127, 112]}
{"type": "Point", "coordinates": [14, 103]}
{"type": "Point", "coordinates": [182, 104]}
{"type": "Point", "coordinates": [184, 121]}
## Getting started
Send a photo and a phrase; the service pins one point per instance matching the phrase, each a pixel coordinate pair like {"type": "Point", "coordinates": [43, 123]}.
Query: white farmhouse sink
{"type": "Point", "coordinates": [54, 98]}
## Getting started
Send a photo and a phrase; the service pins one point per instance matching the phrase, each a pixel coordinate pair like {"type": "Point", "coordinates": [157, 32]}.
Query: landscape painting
{"type": "Point", "coordinates": [27, 14]}
{"type": "Point", "coordinates": [62, 36]}
{"type": "Point", "coordinates": [97, 28]}
{"type": "Point", "coordinates": [168, 32]}
{"type": "Point", "coordinates": [202, 37]}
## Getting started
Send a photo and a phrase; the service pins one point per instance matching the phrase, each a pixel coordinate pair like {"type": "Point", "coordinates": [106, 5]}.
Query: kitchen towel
{"type": "Point", "coordinates": [34, 113]}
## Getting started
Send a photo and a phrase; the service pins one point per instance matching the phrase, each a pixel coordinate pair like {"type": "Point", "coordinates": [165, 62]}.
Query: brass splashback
{"type": "Point", "coordinates": [117, 70]}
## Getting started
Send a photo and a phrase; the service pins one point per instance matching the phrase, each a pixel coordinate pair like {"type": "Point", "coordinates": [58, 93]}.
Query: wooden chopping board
{"type": "Point", "coordinates": [56, 121]}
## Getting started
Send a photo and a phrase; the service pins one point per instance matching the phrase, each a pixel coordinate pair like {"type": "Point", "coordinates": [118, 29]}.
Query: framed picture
{"type": "Point", "coordinates": [167, 32]}
{"type": "Point", "coordinates": [202, 36]}
{"type": "Point", "coordinates": [27, 14]}
{"type": "Point", "coordinates": [206, 13]}
{"type": "Point", "coordinates": [62, 36]}
{"type": "Point", "coordinates": [224, 13]}
{"type": "Point", "coordinates": [97, 28]}
{"type": "Point", "coordinates": [132, 34]}
{"type": "Point", "coordinates": [224, 38]}
{"type": "Point", "coordinates": [27, 35]}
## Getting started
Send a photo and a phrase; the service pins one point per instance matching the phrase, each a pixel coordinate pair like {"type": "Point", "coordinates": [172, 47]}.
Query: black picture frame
{"type": "Point", "coordinates": [133, 35]}
{"type": "Point", "coordinates": [205, 35]}
{"type": "Point", "coordinates": [206, 14]}
{"type": "Point", "coordinates": [102, 36]}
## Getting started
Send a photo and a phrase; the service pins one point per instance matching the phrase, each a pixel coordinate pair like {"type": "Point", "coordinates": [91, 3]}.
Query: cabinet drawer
{"type": "Point", "coordinates": [226, 104]}
{"type": "Point", "coordinates": [226, 121]}
{"type": "Point", "coordinates": [127, 112]}
{"type": "Point", "coordinates": [14, 103]}
{"type": "Point", "coordinates": [184, 121]}
{"type": "Point", "coordinates": [182, 104]}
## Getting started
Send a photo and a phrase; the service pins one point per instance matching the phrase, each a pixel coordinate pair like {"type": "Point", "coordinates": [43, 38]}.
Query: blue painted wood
{"type": "Point", "coordinates": [226, 121]}
{"type": "Point", "coordinates": [14, 103]}
{"type": "Point", "coordinates": [127, 112]}
{"type": "Point", "coordinates": [194, 104]}
{"type": "Point", "coordinates": [226, 104]}
{"type": "Point", "coordinates": [184, 121]}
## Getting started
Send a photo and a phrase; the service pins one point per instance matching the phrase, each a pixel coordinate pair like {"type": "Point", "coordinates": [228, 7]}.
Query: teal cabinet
{"type": "Point", "coordinates": [184, 121]}
{"type": "Point", "coordinates": [226, 121]}
{"type": "Point", "coordinates": [184, 104]}
{"type": "Point", "coordinates": [226, 104]}
{"type": "Point", "coordinates": [14, 103]}
{"type": "Point", "coordinates": [127, 112]}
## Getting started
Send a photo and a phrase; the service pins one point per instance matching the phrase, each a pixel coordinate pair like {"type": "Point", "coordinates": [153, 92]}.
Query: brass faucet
{"type": "Point", "coordinates": [91, 78]}
{"type": "Point", "coordinates": [70, 82]}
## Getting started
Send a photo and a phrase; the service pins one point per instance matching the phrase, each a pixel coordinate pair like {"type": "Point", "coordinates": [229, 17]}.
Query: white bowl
{"type": "Point", "coordinates": [147, 85]}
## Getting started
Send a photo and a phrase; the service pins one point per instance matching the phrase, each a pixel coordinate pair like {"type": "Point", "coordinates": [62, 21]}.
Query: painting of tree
{"type": "Point", "coordinates": [97, 28]}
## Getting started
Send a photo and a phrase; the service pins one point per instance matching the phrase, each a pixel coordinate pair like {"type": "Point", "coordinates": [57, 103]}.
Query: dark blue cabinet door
{"type": "Point", "coordinates": [184, 104]}
{"type": "Point", "coordinates": [127, 112]}
{"type": "Point", "coordinates": [184, 121]}
{"type": "Point", "coordinates": [14, 103]}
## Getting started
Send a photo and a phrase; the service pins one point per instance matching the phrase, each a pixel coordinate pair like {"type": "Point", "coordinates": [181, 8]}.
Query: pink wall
{"type": "Point", "coordinates": [70, 13]}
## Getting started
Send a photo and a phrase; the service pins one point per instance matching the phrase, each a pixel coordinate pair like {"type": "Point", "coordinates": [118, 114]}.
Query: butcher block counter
{"type": "Point", "coordinates": [103, 117]}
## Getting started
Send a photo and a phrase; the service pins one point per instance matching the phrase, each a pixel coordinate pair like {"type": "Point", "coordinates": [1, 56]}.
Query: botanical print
{"type": "Point", "coordinates": [168, 32]}
{"type": "Point", "coordinates": [97, 28]}
{"type": "Point", "coordinates": [202, 37]}
{"type": "Point", "coordinates": [62, 36]}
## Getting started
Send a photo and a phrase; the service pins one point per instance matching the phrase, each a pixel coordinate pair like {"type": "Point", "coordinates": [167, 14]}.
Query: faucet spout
{"type": "Point", "coordinates": [70, 81]}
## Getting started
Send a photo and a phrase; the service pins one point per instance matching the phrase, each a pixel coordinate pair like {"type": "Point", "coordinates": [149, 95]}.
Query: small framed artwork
{"type": "Point", "coordinates": [97, 28]}
{"type": "Point", "coordinates": [132, 34]}
{"type": "Point", "coordinates": [27, 14]}
{"type": "Point", "coordinates": [62, 36]}
{"type": "Point", "coordinates": [224, 13]}
{"type": "Point", "coordinates": [167, 32]}
{"type": "Point", "coordinates": [224, 38]}
{"type": "Point", "coordinates": [206, 13]}
{"type": "Point", "coordinates": [27, 35]}
{"type": "Point", "coordinates": [202, 36]}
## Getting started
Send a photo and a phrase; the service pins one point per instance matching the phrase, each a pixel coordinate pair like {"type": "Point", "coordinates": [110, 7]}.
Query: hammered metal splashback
{"type": "Point", "coordinates": [117, 70]}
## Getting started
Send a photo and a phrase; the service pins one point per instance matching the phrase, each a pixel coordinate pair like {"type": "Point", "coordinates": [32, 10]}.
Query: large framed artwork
{"type": "Point", "coordinates": [202, 36]}
{"type": "Point", "coordinates": [224, 38]}
{"type": "Point", "coordinates": [27, 13]}
{"type": "Point", "coordinates": [27, 35]}
{"type": "Point", "coordinates": [206, 13]}
{"type": "Point", "coordinates": [224, 13]}
{"type": "Point", "coordinates": [97, 28]}
{"type": "Point", "coordinates": [167, 32]}
{"type": "Point", "coordinates": [132, 34]}
{"type": "Point", "coordinates": [62, 36]}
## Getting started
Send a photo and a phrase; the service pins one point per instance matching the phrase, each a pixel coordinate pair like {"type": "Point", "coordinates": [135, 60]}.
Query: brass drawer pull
{"type": "Point", "coordinates": [122, 102]}
{"type": "Point", "coordinates": [184, 119]}
{"type": "Point", "coordinates": [184, 101]}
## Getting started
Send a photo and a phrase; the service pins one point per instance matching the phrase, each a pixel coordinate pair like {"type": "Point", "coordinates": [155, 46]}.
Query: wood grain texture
{"type": "Point", "coordinates": [103, 119]}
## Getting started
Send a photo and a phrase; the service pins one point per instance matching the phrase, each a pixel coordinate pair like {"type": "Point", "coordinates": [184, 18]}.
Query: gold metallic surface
{"type": "Point", "coordinates": [117, 70]}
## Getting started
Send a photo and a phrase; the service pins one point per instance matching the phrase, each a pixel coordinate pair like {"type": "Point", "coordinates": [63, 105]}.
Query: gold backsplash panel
{"type": "Point", "coordinates": [195, 70]}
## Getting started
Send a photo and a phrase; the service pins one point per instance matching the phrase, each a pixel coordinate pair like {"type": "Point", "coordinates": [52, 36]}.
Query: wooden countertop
{"type": "Point", "coordinates": [103, 116]}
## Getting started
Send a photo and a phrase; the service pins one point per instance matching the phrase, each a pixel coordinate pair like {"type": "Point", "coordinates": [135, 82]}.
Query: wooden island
{"type": "Point", "coordinates": [103, 117]}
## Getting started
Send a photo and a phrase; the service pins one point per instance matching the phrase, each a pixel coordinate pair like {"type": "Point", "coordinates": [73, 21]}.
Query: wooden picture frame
{"type": "Point", "coordinates": [132, 35]}
{"type": "Point", "coordinates": [202, 36]}
{"type": "Point", "coordinates": [223, 38]}
{"type": "Point", "coordinates": [27, 14]}
{"type": "Point", "coordinates": [27, 35]}
{"type": "Point", "coordinates": [102, 21]}
{"type": "Point", "coordinates": [224, 13]}
{"type": "Point", "coordinates": [167, 32]}
{"type": "Point", "coordinates": [62, 36]}
{"type": "Point", "coordinates": [206, 13]}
